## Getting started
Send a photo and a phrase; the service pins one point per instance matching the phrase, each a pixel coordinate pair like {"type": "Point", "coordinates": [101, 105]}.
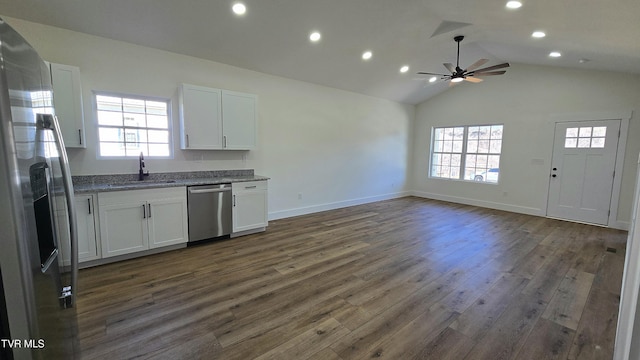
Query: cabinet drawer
{"type": "Point", "coordinates": [249, 185]}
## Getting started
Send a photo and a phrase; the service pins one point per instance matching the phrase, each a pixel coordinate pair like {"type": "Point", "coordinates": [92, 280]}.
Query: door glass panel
{"type": "Point", "coordinates": [570, 142]}
{"type": "Point", "coordinates": [585, 131]}
{"type": "Point", "coordinates": [572, 132]}
{"type": "Point", "coordinates": [585, 137]}
{"type": "Point", "coordinates": [584, 143]}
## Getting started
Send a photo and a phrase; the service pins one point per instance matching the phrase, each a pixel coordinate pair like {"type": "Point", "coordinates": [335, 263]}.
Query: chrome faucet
{"type": "Point", "coordinates": [141, 173]}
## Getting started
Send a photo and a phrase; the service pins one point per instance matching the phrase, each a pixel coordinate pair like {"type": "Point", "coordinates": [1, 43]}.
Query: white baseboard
{"type": "Point", "coordinates": [618, 224]}
{"type": "Point", "coordinates": [334, 205]}
{"type": "Point", "coordinates": [481, 203]}
{"type": "Point", "coordinates": [621, 225]}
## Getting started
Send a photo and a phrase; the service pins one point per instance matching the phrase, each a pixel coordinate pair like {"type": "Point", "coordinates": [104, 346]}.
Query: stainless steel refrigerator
{"type": "Point", "coordinates": [37, 304]}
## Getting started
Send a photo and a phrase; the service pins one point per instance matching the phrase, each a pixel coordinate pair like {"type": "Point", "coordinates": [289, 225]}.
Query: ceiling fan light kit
{"type": "Point", "coordinates": [469, 74]}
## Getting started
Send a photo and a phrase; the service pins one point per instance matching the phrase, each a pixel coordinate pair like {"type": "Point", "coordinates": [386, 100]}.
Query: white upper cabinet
{"type": "Point", "coordinates": [214, 119]}
{"type": "Point", "coordinates": [67, 101]}
{"type": "Point", "coordinates": [239, 120]}
{"type": "Point", "coordinates": [200, 117]}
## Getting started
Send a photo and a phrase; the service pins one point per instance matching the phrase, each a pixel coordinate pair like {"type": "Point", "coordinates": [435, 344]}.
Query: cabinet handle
{"type": "Point", "coordinates": [80, 135]}
{"type": "Point", "coordinates": [234, 200]}
{"type": "Point", "coordinates": [187, 139]}
{"type": "Point", "coordinates": [224, 141]}
{"type": "Point", "coordinates": [144, 211]}
{"type": "Point", "coordinates": [149, 207]}
{"type": "Point", "coordinates": [89, 205]}
{"type": "Point", "coordinates": [251, 187]}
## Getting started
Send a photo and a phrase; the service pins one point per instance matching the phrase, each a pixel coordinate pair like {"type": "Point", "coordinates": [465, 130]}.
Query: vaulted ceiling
{"type": "Point", "coordinates": [273, 36]}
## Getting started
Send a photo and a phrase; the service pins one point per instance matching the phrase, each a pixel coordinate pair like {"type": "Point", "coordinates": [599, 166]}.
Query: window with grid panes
{"type": "Point", "coordinates": [128, 126]}
{"type": "Point", "coordinates": [467, 153]}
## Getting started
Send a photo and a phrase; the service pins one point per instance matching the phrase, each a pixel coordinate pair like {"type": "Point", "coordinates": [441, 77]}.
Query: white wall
{"type": "Point", "coordinates": [627, 344]}
{"type": "Point", "coordinates": [338, 148]}
{"type": "Point", "coordinates": [334, 147]}
{"type": "Point", "coordinates": [524, 99]}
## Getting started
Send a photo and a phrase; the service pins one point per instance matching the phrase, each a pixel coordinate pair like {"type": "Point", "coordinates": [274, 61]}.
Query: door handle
{"type": "Point", "coordinates": [144, 211]}
{"type": "Point", "coordinates": [51, 122]}
{"type": "Point", "coordinates": [205, 191]}
{"type": "Point", "coordinates": [149, 208]}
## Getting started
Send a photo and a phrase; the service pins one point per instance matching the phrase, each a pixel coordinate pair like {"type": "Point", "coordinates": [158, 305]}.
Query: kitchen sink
{"type": "Point", "coordinates": [141, 183]}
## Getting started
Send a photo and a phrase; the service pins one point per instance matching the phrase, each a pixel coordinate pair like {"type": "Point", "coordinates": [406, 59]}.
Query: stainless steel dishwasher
{"type": "Point", "coordinates": [209, 211]}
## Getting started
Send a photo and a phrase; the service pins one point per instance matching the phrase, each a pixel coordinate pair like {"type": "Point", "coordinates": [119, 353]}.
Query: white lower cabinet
{"type": "Point", "coordinates": [86, 223]}
{"type": "Point", "coordinates": [85, 217]}
{"type": "Point", "coordinates": [138, 220]}
{"type": "Point", "coordinates": [249, 205]}
{"type": "Point", "coordinates": [168, 221]}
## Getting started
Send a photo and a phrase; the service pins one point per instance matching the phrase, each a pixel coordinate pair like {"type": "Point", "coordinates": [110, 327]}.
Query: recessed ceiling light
{"type": "Point", "coordinates": [404, 69]}
{"type": "Point", "coordinates": [555, 54]}
{"type": "Point", "coordinates": [538, 34]}
{"type": "Point", "coordinates": [514, 4]}
{"type": "Point", "coordinates": [458, 79]}
{"type": "Point", "coordinates": [239, 8]}
{"type": "Point", "coordinates": [367, 55]}
{"type": "Point", "coordinates": [315, 36]}
{"type": "Point", "coordinates": [433, 79]}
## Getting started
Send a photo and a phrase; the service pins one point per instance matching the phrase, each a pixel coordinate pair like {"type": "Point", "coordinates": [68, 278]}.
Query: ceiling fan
{"type": "Point", "coordinates": [469, 74]}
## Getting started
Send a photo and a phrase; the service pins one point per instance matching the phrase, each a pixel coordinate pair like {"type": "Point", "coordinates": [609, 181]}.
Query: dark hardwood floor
{"type": "Point", "coordinates": [401, 279]}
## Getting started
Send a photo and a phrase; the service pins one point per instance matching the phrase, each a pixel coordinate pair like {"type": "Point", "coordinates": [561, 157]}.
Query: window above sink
{"type": "Point", "coordinates": [130, 125]}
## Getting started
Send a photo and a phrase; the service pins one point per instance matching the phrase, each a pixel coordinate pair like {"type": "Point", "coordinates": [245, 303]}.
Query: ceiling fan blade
{"type": "Point", "coordinates": [472, 79]}
{"type": "Point", "coordinates": [476, 65]}
{"type": "Point", "coordinates": [428, 73]}
{"type": "Point", "coordinates": [489, 73]}
{"type": "Point", "coordinates": [450, 67]}
{"type": "Point", "coordinates": [494, 67]}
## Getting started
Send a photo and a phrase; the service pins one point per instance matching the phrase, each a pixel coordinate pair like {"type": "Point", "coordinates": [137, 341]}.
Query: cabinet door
{"type": "Point", "coordinates": [200, 118]}
{"type": "Point", "coordinates": [249, 205]}
{"type": "Point", "coordinates": [67, 101]}
{"type": "Point", "coordinates": [239, 120]}
{"type": "Point", "coordinates": [167, 222]}
{"type": "Point", "coordinates": [87, 244]}
{"type": "Point", "coordinates": [123, 228]}
{"type": "Point", "coordinates": [61, 219]}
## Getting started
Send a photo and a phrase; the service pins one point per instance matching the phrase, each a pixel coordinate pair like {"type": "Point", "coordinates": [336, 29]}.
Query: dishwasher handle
{"type": "Point", "coordinates": [204, 191]}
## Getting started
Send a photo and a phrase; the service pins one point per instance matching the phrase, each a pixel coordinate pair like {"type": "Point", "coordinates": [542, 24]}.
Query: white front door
{"type": "Point", "coordinates": [582, 170]}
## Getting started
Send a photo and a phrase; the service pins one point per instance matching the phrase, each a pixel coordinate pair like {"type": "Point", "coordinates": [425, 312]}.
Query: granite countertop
{"type": "Point", "coordinates": [118, 182]}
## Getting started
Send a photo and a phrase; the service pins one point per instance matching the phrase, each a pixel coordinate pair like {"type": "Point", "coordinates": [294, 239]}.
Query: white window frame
{"type": "Point", "coordinates": [136, 97]}
{"type": "Point", "coordinates": [460, 174]}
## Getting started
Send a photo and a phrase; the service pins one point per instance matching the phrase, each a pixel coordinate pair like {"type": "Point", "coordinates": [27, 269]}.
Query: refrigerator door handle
{"type": "Point", "coordinates": [51, 122]}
